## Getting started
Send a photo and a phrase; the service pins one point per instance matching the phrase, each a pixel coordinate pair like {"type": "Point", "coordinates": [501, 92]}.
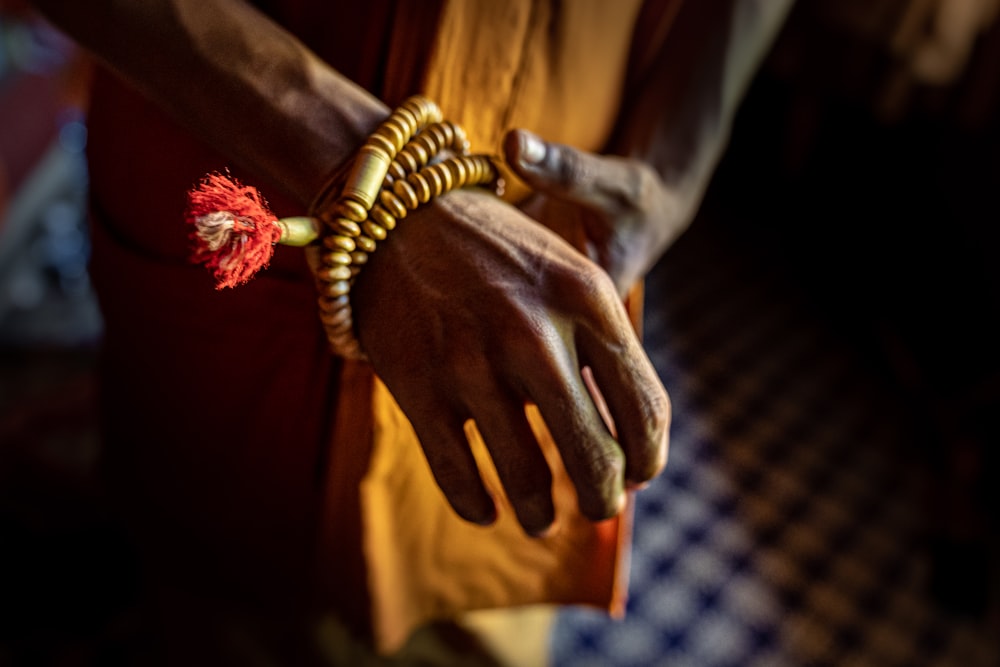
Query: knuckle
{"type": "Point", "coordinates": [657, 412]}
{"type": "Point", "coordinates": [567, 166]}
{"type": "Point", "coordinates": [644, 183]}
{"type": "Point", "coordinates": [535, 341]}
{"type": "Point", "coordinates": [626, 187]}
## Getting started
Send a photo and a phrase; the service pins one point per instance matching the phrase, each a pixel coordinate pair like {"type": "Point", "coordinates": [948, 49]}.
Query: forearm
{"type": "Point", "coordinates": [681, 113]}
{"type": "Point", "coordinates": [233, 77]}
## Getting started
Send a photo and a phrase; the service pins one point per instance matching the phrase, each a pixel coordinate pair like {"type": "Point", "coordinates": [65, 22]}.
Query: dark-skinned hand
{"type": "Point", "coordinates": [471, 310]}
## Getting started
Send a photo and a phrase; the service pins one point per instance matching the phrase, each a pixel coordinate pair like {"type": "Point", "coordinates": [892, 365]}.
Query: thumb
{"type": "Point", "coordinates": [605, 183]}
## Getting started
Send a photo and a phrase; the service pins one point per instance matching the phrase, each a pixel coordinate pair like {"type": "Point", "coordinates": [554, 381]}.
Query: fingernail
{"type": "Point", "coordinates": [532, 149]}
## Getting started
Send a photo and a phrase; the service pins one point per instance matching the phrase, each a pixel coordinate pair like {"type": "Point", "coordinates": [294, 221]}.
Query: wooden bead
{"type": "Point", "coordinates": [426, 143]}
{"type": "Point", "coordinates": [334, 304]}
{"type": "Point", "coordinates": [442, 134]}
{"type": "Point", "coordinates": [412, 124]}
{"type": "Point", "coordinates": [484, 169]}
{"type": "Point", "coordinates": [336, 288]}
{"type": "Point", "coordinates": [433, 180]}
{"type": "Point", "coordinates": [447, 177]}
{"type": "Point", "coordinates": [490, 173]}
{"type": "Point", "coordinates": [396, 170]}
{"type": "Point", "coordinates": [416, 110]}
{"type": "Point", "coordinates": [478, 171]}
{"type": "Point", "coordinates": [459, 173]}
{"type": "Point", "coordinates": [340, 327]}
{"type": "Point", "coordinates": [392, 203]}
{"type": "Point", "coordinates": [334, 258]}
{"type": "Point", "coordinates": [335, 273]}
{"type": "Point", "coordinates": [459, 142]}
{"type": "Point", "coordinates": [350, 209]}
{"type": "Point", "coordinates": [402, 124]}
{"type": "Point", "coordinates": [420, 186]}
{"type": "Point", "coordinates": [424, 109]}
{"type": "Point", "coordinates": [344, 227]}
{"type": "Point", "coordinates": [407, 161]}
{"type": "Point", "coordinates": [406, 193]}
{"type": "Point", "coordinates": [437, 137]}
{"type": "Point", "coordinates": [419, 153]}
{"type": "Point", "coordinates": [382, 143]}
{"type": "Point", "coordinates": [391, 131]}
{"type": "Point", "coordinates": [374, 230]}
{"type": "Point", "coordinates": [382, 218]}
{"type": "Point", "coordinates": [446, 181]}
{"type": "Point", "coordinates": [334, 322]}
{"type": "Point", "coordinates": [338, 242]}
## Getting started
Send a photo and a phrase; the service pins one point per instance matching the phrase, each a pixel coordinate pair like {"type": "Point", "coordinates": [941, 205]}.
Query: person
{"type": "Point", "coordinates": [261, 475]}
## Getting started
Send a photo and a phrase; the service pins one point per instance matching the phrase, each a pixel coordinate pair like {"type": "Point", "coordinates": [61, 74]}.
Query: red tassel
{"type": "Point", "coordinates": [231, 229]}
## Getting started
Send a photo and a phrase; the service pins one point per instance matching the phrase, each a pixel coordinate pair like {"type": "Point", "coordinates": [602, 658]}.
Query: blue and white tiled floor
{"type": "Point", "coordinates": [787, 529]}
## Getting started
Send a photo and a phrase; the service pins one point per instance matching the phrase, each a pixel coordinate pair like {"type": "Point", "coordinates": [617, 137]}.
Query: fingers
{"type": "Point", "coordinates": [593, 460]}
{"type": "Point", "coordinates": [634, 395]}
{"type": "Point", "coordinates": [604, 183]}
{"type": "Point", "coordinates": [519, 460]}
{"type": "Point", "coordinates": [439, 430]}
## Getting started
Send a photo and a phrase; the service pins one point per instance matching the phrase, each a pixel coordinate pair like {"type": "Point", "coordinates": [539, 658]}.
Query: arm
{"type": "Point", "coordinates": [226, 71]}
{"type": "Point", "coordinates": [625, 210]}
{"type": "Point", "coordinates": [470, 311]}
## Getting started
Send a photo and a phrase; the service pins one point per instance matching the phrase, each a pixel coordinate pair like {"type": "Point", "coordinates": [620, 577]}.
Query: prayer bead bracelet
{"type": "Point", "coordinates": [411, 158]}
{"type": "Point", "coordinates": [399, 168]}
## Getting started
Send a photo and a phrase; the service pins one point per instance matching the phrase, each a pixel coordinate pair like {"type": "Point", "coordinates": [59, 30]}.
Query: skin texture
{"type": "Point", "coordinates": [474, 309]}
{"type": "Point", "coordinates": [531, 312]}
{"type": "Point", "coordinates": [616, 211]}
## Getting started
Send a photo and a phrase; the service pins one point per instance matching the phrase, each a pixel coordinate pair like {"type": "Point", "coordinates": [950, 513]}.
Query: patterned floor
{"type": "Point", "coordinates": [787, 528]}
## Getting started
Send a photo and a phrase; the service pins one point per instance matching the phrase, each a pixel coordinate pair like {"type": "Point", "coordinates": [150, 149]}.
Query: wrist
{"type": "Point", "coordinates": [412, 158]}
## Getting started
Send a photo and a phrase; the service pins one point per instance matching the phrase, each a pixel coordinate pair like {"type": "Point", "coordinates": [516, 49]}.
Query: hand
{"type": "Point", "coordinates": [469, 310]}
{"type": "Point", "coordinates": [615, 210]}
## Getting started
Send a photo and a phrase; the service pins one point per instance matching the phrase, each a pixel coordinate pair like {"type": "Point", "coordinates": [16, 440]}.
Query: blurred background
{"type": "Point", "coordinates": [827, 328]}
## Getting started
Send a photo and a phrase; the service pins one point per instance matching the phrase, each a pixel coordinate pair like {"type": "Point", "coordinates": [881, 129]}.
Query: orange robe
{"type": "Point", "coordinates": [294, 477]}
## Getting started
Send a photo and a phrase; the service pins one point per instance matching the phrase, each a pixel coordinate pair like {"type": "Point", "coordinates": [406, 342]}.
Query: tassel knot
{"type": "Point", "coordinates": [232, 231]}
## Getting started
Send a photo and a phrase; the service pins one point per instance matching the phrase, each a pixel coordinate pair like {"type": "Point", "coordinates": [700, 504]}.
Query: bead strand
{"type": "Point", "coordinates": [359, 187]}
{"type": "Point", "coordinates": [394, 204]}
{"type": "Point", "coordinates": [420, 150]}
{"type": "Point", "coordinates": [394, 173]}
